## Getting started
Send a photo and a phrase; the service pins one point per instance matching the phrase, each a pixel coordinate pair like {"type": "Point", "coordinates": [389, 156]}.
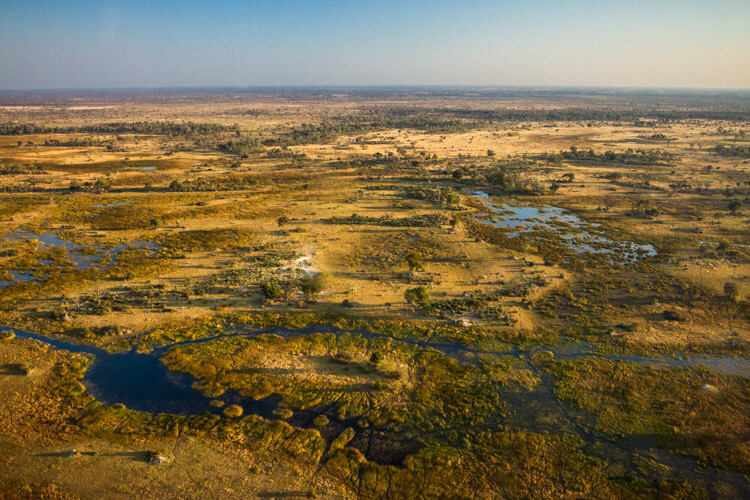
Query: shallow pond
{"type": "Point", "coordinates": [82, 256]}
{"type": "Point", "coordinates": [578, 235]}
{"type": "Point", "coordinates": [114, 204]}
{"type": "Point", "coordinates": [139, 168]}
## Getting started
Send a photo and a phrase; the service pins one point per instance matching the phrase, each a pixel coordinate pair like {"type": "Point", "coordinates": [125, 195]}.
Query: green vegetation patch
{"type": "Point", "coordinates": [426, 220]}
{"type": "Point", "coordinates": [693, 411]}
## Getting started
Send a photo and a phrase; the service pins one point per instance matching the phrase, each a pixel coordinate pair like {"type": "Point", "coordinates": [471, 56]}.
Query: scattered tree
{"type": "Point", "coordinates": [272, 290]}
{"type": "Point", "coordinates": [313, 285]}
{"type": "Point", "coordinates": [419, 295]}
{"type": "Point", "coordinates": [414, 260]}
{"type": "Point", "coordinates": [731, 290]}
{"type": "Point", "coordinates": [735, 206]}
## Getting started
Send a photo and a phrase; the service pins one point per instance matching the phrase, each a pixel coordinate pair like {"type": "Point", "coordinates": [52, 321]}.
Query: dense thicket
{"type": "Point", "coordinates": [426, 220]}
{"type": "Point", "coordinates": [636, 115]}
{"type": "Point", "coordinates": [740, 151]}
{"type": "Point", "coordinates": [629, 156]}
{"type": "Point", "coordinates": [174, 129]}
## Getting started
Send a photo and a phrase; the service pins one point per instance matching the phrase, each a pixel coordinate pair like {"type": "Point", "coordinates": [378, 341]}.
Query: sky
{"type": "Point", "coordinates": [184, 43]}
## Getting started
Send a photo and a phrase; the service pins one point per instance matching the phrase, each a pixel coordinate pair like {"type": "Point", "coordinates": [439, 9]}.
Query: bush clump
{"type": "Point", "coordinates": [320, 421]}
{"type": "Point", "coordinates": [414, 260]}
{"type": "Point", "coordinates": [670, 315]}
{"type": "Point", "coordinates": [426, 220]}
{"type": "Point", "coordinates": [377, 357]}
{"type": "Point", "coordinates": [419, 295]}
{"type": "Point", "coordinates": [283, 413]}
{"type": "Point", "coordinates": [233, 411]}
{"type": "Point", "coordinates": [313, 285]}
{"type": "Point", "coordinates": [272, 290]}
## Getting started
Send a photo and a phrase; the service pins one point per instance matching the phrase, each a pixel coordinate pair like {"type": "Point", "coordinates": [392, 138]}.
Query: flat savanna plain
{"type": "Point", "coordinates": [371, 293]}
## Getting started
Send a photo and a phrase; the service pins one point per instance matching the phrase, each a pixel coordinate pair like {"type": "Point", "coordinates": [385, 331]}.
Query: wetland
{"type": "Point", "coordinates": [375, 295]}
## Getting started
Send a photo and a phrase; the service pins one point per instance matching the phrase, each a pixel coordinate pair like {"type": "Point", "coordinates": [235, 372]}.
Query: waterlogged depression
{"type": "Point", "coordinates": [79, 256]}
{"type": "Point", "coordinates": [577, 234]}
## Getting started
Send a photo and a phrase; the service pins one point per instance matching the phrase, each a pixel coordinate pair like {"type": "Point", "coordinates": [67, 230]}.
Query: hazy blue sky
{"type": "Point", "coordinates": [87, 44]}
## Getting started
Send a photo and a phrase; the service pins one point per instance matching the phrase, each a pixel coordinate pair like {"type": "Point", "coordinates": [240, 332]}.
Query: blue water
{"type": "Point", "coordinates": [575, 233]}
{"type": "Point", "coordinates": [142, 382]}
{"type": "Point", "coordinates": [114, 204]}
{"type": "Point", "coordinates": [80, 255]}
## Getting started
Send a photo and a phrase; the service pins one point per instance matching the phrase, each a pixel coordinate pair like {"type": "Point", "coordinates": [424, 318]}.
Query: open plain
{"type": "Point", "coordinates": [375, 293]}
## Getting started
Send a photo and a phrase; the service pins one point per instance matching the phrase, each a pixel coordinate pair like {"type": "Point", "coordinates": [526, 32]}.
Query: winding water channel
{"type": "Point", "coordinates": [142, 382]}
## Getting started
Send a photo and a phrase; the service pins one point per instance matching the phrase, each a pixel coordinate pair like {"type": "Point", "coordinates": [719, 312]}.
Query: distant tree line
{"type": "Point", "coordinates": [442, 196]}
{"type": "Point", "coordinates": [426, 220]}
{"type": "Point", "coordinates": [512, 181]}
{"type": "Point", "coordinates": [230, 183]}
{"type": "Point", "coordinates": [628, 157]}
{"type": "Point", "coordinates": [739, 151]}
{"type": "Point", "coordinates": [370, 120]}
{"type": "Point", "coordinates": [241, 147]}
{"type": "Point", "coordinates": [173, 129]}
{"type": "Point", "coordinates": [457, 120]}
{"type": "Point", "coordinates": [636, 116]}
{"type": "Point", "coordinates": [509, 175]}
{"type": "Point", "coordinates": [17, 169]}
{"type": "Point", "coordinates": [75, 142]}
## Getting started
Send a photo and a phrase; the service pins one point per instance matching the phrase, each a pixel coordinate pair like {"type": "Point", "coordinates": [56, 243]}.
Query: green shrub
{"type": "Point", "coordinates": [320, 421]}
{"type": "Point", "coordinates": [233, 411]}
{"type": "Point", "coordinates": [414, 260]}
{"type": "Point", "coordinates": [731, 290]}
{"type": "Point", "coordinates": [377, 357]}
{"type": "Point", "coordinates": [313, 285]}
{"type": "Point", "coordinates": [272, 290]}
{"type": "Point", "coordinates": [419, 295]}
{"type": "Point", "coordinates": [283, 413]}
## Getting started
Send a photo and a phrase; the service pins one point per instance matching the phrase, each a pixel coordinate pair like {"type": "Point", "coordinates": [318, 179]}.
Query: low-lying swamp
{"type": "Point", "coordinates": [576, 234]}
{"type": "Point", "coordinates": [328, 368]}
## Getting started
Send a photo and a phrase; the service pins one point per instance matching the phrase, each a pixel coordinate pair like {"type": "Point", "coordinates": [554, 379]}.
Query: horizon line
{"type": "Point", "coordinates": [378, 86]}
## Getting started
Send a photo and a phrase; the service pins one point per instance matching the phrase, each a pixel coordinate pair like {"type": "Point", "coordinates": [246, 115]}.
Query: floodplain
{"type": "Point", "coordinates": [375, 293]}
